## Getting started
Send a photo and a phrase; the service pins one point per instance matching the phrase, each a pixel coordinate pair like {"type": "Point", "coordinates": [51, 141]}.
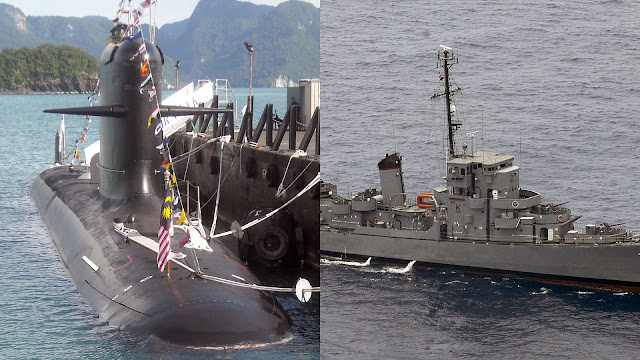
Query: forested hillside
{"type": "Point", "coordinates": [210, 43]}
{"type": "Point", "coordinates": [47, 68]}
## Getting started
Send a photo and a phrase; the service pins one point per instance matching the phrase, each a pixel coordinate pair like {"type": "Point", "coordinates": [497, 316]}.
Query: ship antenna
{"type": "Point", "coordinates": [446, 59]}
{"type": "Point", "coordinates": [152, 22]}
{"type": "Point", "coordinates": [393, 131]}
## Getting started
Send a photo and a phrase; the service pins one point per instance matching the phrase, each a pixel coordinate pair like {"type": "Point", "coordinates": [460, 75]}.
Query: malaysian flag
{"type": "Point", "coordinates": [164, 240]}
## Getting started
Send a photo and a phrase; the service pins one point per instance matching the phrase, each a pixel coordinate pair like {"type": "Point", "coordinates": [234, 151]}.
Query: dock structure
{"type": "Point", "coordinates": [262, 167]}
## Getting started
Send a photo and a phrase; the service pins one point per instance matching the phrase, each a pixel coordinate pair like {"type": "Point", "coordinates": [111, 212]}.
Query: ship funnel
{"type": "Point", "coordinates": [390, 169]}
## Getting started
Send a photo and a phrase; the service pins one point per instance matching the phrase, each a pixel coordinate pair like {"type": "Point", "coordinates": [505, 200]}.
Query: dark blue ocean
{"type": "Point", "coordinates": [553, 83]}
{"type": "Point", "coordinates": [42, 316]}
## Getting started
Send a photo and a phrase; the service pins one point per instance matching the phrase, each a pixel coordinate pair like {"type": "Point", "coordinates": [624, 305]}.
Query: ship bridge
{"type": "Point", "coordinates": [483, 174]}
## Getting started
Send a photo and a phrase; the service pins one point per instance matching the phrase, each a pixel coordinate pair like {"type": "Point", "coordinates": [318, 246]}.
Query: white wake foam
{"type": "Point", "coordinates": [543, 291]}
{"type": "Point", "coordinates": [245, 346]}
{"type": "Point", "coordinates": [344, 262]}
{"type": "Point", "coordinates": [403, 270]}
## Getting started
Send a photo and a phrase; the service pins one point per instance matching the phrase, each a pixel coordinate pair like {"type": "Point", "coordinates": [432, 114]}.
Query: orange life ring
{"type": "Point", "coordinates": [424, 196]}
{"type": "Point", "coordinates": [560, 218]}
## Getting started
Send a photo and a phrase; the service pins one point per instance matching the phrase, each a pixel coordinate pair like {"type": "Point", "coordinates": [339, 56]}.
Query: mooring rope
{"type": "Point", "coordinates": [215, 212]}
{"type": "Point", "coordinates": [269, 214]}
{"type": "Point", "coordinates": [135, 236]}
{"type": "Point", "coordinates": [186, 168]}
{"type": "Point", "coordinates": [296, 179]}
{"type": "Point", "coordinates": [281, 190]}
{"type": "Point", "coordinates": [254, 286]}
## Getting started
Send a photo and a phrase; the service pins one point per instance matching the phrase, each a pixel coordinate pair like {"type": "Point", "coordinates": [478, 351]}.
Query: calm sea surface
{"type": "Point", "coordinates": [41, 313]}
{"type": "Point", "coordinates": [554, 84]}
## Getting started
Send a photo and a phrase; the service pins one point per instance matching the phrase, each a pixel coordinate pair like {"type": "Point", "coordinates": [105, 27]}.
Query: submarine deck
{"type": "Point", "coordinates": [120, 280]}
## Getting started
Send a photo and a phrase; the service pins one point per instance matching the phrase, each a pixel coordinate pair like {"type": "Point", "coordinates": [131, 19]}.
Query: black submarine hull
{"type": "Point", "coordinates": [128, 291]}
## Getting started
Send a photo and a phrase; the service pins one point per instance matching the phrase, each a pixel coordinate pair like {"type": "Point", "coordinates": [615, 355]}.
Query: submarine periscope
{"type": "Point", "coordinates": [110, 220]}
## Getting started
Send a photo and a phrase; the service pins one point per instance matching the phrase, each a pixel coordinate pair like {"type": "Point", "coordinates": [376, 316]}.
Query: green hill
{"type": "Point", "coordinates": [47, 68]}
{"type": "Point", "coordinates": [286, 39]}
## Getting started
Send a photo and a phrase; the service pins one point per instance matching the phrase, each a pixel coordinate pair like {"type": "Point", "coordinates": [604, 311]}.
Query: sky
{"type": "Point", "coordinates": [168, 11]}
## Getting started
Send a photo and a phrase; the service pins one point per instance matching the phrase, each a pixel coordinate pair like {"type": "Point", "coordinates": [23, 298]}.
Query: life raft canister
{"type": "Point", "coordinates": [425, 200]}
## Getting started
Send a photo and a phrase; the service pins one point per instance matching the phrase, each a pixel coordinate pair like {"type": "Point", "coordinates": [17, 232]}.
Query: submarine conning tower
{"type": "Point", "coordinates": [127, 145]}
{"type": "Point", "coordinates": [390, 169]}
{"type": "Point", "coordinates": [128, 142]}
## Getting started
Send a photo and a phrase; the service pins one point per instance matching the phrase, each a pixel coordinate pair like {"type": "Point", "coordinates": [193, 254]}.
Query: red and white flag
{"type": "Point", "coordinates": [141, 49]}
{"type": "Point", "coordinates": [164, 239]}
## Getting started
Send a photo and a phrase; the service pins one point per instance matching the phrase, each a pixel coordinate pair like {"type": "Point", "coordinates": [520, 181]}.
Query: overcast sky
{"type": "Point", "coordinates": [168, 11]}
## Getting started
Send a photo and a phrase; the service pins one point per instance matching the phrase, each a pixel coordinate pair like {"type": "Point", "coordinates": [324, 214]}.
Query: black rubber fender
{"type": "Point", "coordinates": [214, 165]}
{"type": "Point", "coordinates": [273, 176]}
{"type": "Point", "coordinates": [272, 243]}
{"type": "Point", "coordinates": [250, 168]}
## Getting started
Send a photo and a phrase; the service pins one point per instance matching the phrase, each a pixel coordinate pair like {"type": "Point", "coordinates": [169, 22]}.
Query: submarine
{"type": "Point", "coordinates": [104, 218]}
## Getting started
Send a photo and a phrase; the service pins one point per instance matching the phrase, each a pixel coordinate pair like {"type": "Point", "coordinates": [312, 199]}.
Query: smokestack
{"type": "Point", "coordinates": [391, 180]}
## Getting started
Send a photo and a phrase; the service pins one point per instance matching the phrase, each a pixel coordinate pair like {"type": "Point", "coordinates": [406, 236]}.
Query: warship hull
{"type": "Point", "coordinates": [127, 290]}
{"type": "Point", "coordinates": [612, 265]}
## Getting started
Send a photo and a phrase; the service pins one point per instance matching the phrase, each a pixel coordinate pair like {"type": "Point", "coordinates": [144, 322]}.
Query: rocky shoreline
{"type": "Point", "coordinates": [82, 83]}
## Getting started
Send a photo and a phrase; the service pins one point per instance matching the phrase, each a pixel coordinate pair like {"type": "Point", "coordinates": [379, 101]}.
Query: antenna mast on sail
{"type": "Point", "coordinates": [446, 58]}
{"type": "Point", "coordinates": [152, 22]}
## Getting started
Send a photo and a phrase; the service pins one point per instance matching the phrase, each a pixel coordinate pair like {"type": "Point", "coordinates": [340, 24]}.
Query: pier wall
{"type": "Point", "coordinates": [250, 179]}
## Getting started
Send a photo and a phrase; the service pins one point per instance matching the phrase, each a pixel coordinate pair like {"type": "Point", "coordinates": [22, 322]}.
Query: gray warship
{"type": "Point", "coordinates": [482, 220]}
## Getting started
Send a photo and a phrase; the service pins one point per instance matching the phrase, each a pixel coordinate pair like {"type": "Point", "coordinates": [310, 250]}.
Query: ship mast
{"type": "Point", "coordinates": [445, 60]}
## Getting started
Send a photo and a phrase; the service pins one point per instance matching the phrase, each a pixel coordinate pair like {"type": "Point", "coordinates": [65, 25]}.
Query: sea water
{"type": "Point", "coordinates": [553, 83]}
{"type": "Point", "coordinates": [42, 315]}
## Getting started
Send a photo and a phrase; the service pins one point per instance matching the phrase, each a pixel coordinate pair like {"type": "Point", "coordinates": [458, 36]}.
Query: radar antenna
{"type": "Point", "coordinates": [446, 58]}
